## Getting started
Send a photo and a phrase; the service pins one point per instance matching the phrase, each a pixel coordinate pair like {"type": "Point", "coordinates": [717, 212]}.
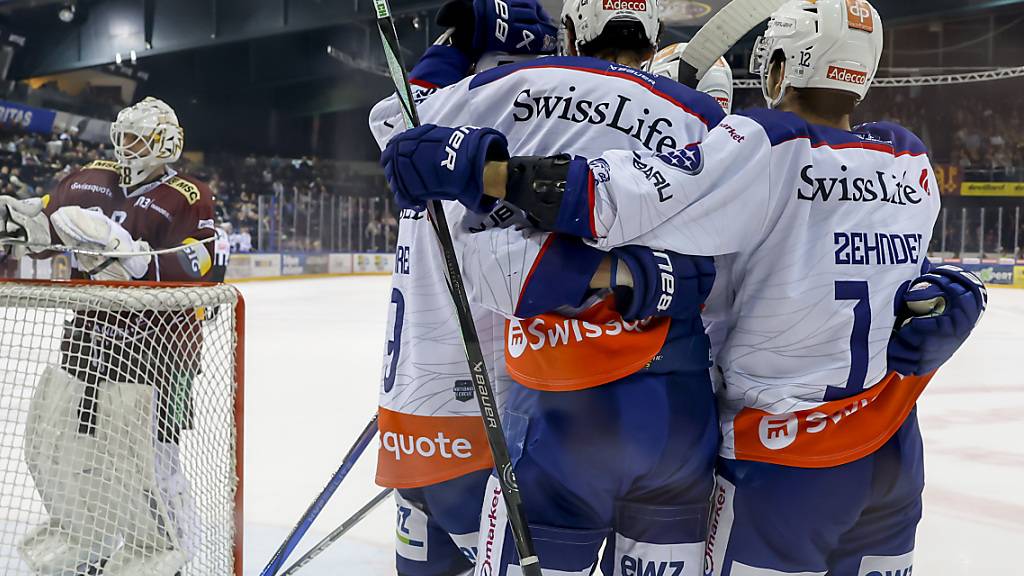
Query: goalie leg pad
{"type": "Point", "coordinates": [153, 500]}
{"type": "Point", "coordinates": [68, 471]}
{"type": "Point", "coordinates": [114, 495]}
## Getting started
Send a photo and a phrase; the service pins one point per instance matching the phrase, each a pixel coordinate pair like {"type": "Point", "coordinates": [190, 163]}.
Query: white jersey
{"type": "Point", "coordinates": [814, 230]}
{"type": "Point", "coordinates": [545, 106]}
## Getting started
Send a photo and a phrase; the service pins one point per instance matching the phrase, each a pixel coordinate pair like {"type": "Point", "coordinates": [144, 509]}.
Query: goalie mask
{"type": "Point", "coordinates": [146, 137]}
{"type": "Point", "coordinates": [717, 82]}
{"type": "Point", "coordinates": [590, 18]}
{"type": "Point", "coordinates": [834, 44]}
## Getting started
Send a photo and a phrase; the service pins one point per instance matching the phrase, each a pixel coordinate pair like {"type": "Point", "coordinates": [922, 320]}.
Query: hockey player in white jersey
{"type": "Point", "coordinates": [652, 509]}
{"type": "Point", "coordinates": [433, 448]}
{"type": "Point", "coordinates": [816, 233]}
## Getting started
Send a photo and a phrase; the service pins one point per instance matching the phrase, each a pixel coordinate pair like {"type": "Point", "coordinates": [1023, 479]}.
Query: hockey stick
{"type": "Point", "coordinates": [85, 252]}
{"type": "Point", "coordinates": [338, 532]}
{"type": "Point", "coordinates": [474, 356]}
{"type": "Point", "coordinates": [720, 33]}
{"type": "Point", "coordinates": [300, 529]}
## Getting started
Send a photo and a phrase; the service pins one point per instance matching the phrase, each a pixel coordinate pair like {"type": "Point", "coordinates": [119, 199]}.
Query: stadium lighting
{"type": "Point", "coordinates": [67, 13]}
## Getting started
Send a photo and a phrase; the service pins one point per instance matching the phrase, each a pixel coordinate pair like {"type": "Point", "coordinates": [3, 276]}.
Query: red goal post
{"type": "Point", "coordinates": [121, 403]}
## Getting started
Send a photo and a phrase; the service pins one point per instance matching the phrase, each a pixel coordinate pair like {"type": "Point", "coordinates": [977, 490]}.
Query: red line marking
{"type": "Point", "coordinates": [533, 268]}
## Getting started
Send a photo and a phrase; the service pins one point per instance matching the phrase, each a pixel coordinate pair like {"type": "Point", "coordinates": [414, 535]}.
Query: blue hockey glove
{"type": "Point", "coordinates": [440, 66]}
{"type": "Point", "coordinates": [437, 163]}
{"type": "Point", "coordinates": [664, 283]}
{"type": "Point", "coordinates": [509, 26]}
{"type": "Point", "coordinates": [934, 317]}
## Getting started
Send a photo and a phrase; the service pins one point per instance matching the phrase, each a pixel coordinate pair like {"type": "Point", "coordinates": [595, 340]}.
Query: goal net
{"type": "Point", "coordinates": [120, 429]}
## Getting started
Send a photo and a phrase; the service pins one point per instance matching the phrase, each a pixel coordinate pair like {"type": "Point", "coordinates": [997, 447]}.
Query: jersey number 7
{"type": "Point", "coordinates": [856, 290]}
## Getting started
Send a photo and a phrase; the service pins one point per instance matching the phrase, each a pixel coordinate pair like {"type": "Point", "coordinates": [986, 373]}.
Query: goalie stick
{"type": "Point", "coordinates": [720, 33]}
{"type": "Point", "coordinates": [338, 532]}
{"type": "Point", "coordinates": [474, 356]}
{"type": "Point", "coordinates": [300, 529]}
{"type": "Point", "coordinates": [101, 253]}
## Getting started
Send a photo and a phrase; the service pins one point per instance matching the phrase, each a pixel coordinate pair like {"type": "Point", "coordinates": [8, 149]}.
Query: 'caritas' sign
{"type": "Point", "coordinates": [26, 118]}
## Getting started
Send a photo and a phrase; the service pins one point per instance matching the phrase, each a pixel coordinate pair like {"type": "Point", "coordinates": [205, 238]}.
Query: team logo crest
{"type": "Point", "coordinates": [689, 160]}
{"type": "Point", "coordinates": [463, 390]}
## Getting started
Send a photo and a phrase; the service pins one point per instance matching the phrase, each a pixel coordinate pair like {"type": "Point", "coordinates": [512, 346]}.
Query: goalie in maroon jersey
{"type": "Point", "coordinates": [108, 468]}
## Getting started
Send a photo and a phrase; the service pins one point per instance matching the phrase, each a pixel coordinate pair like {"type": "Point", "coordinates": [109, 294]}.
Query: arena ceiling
{"type": "Point", "coordinates": [102, 29]}
{"type": "Point", "coordinates": [272, 53]}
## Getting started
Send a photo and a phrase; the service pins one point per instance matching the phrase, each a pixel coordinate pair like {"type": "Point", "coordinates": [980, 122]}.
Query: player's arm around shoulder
{"type": "Point", "coordinates": [705, 198]}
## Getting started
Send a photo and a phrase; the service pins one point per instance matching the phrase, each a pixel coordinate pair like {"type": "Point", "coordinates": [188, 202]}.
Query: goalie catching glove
{"type": "Point", "coordinates": [91, 230]}
{"type": "Point", "coordinates": [934, 318]}
{"type": "Point", "coordinates": [24, 220]}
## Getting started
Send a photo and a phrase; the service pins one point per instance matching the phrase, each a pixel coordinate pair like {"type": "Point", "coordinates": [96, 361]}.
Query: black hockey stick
{"type": "Point", "coordinates": [484, 391]}
{"type": "Point", "coordinates": [300, 529]}
{"type": "Point", "coordinates": [338, 532]}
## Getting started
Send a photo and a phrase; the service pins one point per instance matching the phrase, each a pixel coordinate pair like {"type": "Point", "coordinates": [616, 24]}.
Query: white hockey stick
{"type": "Point", "coordinates": [100, 253]}
{"type": "Point", "coordinates": [720, 33]}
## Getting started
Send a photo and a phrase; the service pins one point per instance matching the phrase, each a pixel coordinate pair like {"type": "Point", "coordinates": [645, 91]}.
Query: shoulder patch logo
{"type": "Point", "coordinates": [103, 165]}
{"type": "Point", "coordinates": [689, 160]}
{"type": "Point", "coordinates": [189, 190]}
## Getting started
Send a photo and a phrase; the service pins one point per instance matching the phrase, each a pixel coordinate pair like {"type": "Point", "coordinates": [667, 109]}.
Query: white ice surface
{"type": "Point", "coordinates": [312, 372]}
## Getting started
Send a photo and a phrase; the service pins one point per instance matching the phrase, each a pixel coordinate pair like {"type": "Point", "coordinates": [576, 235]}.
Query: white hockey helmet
{"type": "Point", "coordinates": [717, 82]}
{"type": "Point", "coordinates": [146, 137]}
{"type": "Point", "coordinates": [590, 18]}
{"type": "Point", "coordinates": [833, 44]}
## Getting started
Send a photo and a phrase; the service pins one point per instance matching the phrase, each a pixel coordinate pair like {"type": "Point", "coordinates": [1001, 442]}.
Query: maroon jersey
{"type": "Point", "coordinates": [161, 349]}
{"type": "Point", "coordinates": [169, 212]}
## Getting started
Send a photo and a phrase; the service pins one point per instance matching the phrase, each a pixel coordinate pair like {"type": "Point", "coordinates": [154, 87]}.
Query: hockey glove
{"type": "Point", "coordinates": [440, 66]}
{"type": "Point", "coordinates": [934, 317]}
{"type": "Point", "coordinates": [437, 163]}
{"type": "Point", "coordinates": [664, 283]}
{"type": "Point", "coordinates": [91, 230]}
{"type": "Point", "coordinates": [509, 26]}
{"type": "Point", "coordinates": [24, 220]}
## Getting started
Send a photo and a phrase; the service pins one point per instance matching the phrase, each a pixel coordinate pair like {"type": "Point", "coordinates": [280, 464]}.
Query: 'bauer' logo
{"type": "Point", "coordinates": [846, 75]}
{"type": "Point", "coordinates": [668, 281]}
{"type": "Point", "coordinates": [452, 149]}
